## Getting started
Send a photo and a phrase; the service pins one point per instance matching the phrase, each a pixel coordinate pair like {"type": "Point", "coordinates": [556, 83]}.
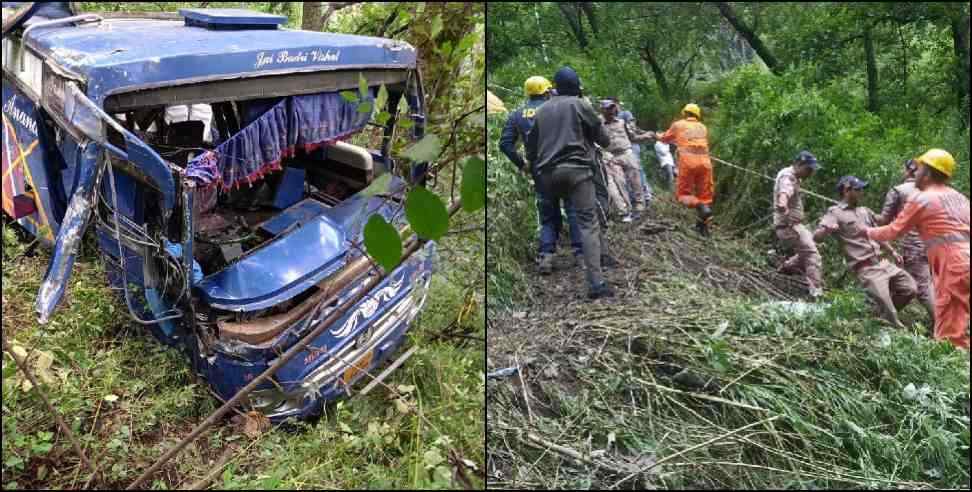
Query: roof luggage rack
{"type": "Point", "coordinates": [231, 19]}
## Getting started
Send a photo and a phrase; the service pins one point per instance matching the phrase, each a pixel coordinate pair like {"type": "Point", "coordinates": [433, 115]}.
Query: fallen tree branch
{"type": "Point", "coordinates": [536, 441]}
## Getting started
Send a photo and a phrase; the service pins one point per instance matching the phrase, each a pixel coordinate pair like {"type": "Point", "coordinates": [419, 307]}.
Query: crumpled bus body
{"type": "Point", "coordinates": [228, 180]}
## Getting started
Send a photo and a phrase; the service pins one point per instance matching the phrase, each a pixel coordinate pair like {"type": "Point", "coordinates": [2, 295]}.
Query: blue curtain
{"type": "Point", "coordinates": [296, 122]}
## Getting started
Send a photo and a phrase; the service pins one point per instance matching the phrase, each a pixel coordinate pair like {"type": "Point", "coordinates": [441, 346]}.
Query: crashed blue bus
{"type": "Point", "coordinates": [227, 179]}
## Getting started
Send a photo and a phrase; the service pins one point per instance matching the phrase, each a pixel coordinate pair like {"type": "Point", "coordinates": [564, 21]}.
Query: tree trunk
{"type": "Point", "coordinates": [960, 37]}
{"type": "Point", "coordinates": [313, 18]}
{"type": "Point", "coordinates": [648, 54]}
{"type": "Point", "coordinates": [333, 7]}
{"type": "Point", "coordinates": [573, 20]}
{"type": "Point", "coordinates": [873, 102]}
{"type": "Point", "coordinates": [588, 8]}
{"type": "Point", "coordinates": [746, 32]}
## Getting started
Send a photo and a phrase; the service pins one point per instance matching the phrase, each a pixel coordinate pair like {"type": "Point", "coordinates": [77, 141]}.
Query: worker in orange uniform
{"type": "Point", "coordinates": [941, 216]}
{"type": "Point", "coordinates": [696, 185]}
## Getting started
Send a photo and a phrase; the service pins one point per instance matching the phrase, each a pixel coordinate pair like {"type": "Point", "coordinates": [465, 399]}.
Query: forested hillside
{"type": "Point", "coordinates": [709, 369]}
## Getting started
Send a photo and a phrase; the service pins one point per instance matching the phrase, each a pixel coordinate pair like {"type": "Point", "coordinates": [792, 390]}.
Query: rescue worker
{"type": "Point", "coordinates": [696, 184]}
{"type": "Point", "coordinates": [561, 146]}
{"type": "Point", "coordinates": [940, 214]}
{"type": "Point", "coordinates": [517, 126]}
{"type": "Point", "coordinates": [621, 164]}
{"type": "Point", "coordinates": [891, 287]}
{"type": "Point", "coordinates": [629, 119]}
{"type": "Point", "coordinates": [912, 248]}
{"type": "Point", "coordinates": [788, 218]}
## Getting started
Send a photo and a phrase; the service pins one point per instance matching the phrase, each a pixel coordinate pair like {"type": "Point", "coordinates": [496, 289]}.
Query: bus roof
{"type": "Point", "coordinates": [122, 55]}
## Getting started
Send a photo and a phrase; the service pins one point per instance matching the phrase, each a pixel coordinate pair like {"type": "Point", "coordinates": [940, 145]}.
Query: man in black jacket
{"type": "Point", "coordinates": [561, 148]}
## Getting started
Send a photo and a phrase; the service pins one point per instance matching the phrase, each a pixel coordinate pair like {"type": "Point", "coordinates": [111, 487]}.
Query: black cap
{"type": "Point", "coordinates": [805, 157]}
{"type": "Point", "coordinates": [567, 82]}
{"type": "Point", "coordinates": [852, 182]}
{"type": "Point", "coordinates": [607, 103]}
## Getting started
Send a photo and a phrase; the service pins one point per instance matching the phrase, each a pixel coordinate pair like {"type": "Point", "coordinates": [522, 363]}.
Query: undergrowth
{"type": "Point", "coordinates": [688, 354]}
{"type": "Point", "coordinates": [128, 399]}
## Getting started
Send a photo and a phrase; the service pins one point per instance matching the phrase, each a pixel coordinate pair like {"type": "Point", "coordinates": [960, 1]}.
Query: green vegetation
{"type": "Point", "coordinates": [701, 341]}
{"type": "Point", "coordinates": [704, 341]}
{"type": "Point", "coordinates": [129, 399]}
{"type": "Point", "coordinates": [658, 56]}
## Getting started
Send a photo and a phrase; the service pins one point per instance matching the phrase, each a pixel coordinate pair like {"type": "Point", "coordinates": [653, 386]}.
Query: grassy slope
{"type": "Point", "coordinates": [363, 442]}
{"type": "Point", "coordinates": [688, 318]}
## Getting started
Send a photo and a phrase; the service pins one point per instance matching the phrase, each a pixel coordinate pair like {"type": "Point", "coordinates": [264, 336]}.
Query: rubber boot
{"type": "Point", "coordinates": [546, 264]}
{"type": "Point", "coordinates": [705, 219]}
{"type": "Point", "coordinates": [601, 291]}
{"type": "Point", "coordinates": [608, 261]}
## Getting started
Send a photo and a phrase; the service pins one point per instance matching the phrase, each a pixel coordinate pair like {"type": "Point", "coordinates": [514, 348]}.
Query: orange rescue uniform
{"type": "Point", "coordinates": [696, 184]}
{"type": "Point", "coordinates": [941, 216]}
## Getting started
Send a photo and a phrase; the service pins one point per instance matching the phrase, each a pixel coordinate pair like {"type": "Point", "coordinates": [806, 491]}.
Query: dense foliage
{"type": "Point", "coordinates": [862, 85]}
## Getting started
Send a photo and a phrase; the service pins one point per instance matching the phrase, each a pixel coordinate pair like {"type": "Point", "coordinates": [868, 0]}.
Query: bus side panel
{"type": "Point", "coordinates": [30, 167]}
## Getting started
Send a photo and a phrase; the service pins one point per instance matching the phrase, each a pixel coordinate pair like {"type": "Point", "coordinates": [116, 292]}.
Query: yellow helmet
{"type": "Point", "coordinates": [536, 86]}
{"type": "Point", "coordinates": [692, 109]}
{"type": "Point", "coordinates": [939, 160]}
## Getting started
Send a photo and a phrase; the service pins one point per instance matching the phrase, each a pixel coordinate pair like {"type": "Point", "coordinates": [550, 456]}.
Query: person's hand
{"type": "Point", "coordinates": [898, 259]}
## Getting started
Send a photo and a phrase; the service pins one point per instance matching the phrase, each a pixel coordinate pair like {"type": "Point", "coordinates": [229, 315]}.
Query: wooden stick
{"type": "Point", "coordinates": [381, 377]}
{"type": "Point", "coordinates": [536, 441]}
{"type": "Point", "coordinates": [523, 387]}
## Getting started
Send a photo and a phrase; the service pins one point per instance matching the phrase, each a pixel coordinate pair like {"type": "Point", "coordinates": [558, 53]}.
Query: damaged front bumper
{"type": "Point", "coordinates": [361, 340]}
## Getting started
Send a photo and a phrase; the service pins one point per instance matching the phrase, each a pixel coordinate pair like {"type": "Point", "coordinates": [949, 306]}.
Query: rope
{"type": "Point", "coordinates": [494, 86]}
{"type": "Point", "coordinates": [807, 192]}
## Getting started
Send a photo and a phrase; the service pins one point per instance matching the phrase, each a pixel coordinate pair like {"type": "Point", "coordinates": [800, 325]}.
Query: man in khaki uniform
{"type": "Point", "coordinates": [912, 248]}
{"type": "Point", "coordinates": [890, 286]}
{"type": "Point", "coordinates": [623, 167]}
{"type": "Point", "coordinates": [788, 218]}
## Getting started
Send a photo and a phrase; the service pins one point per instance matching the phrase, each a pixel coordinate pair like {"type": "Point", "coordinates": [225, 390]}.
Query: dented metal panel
{"type": "Point", "coordinates": [69, 236]}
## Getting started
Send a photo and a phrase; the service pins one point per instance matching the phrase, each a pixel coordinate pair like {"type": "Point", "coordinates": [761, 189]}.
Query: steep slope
{"type": "Point", "coordinates": [707, 371]}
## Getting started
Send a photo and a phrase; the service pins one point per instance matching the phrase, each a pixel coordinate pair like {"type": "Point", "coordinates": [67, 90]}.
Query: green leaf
{"type": "Point", "coordinates": [436, 26]}
{"type": "Point", "coordinates": [445, 50]}
{"type": "Point", "coordinates": [379, 185]}
{"type": "Point", "coordinates": [382, 118]}
{"type": "Point", "coordinates": [473, 191]}
{"type": "Point", "coordinates": [426, 213]}
{"type": "Point", "coordinates": [403, 106]}
{"type": "Point", "coordinates": [365, 107]}
{"type": "Point", "coordinates": [406, 123]}
{"type": "Point", "coordinates": [466, 42]}
{"type": "Point", "coordinates": [349, 96]}
{"type": "Point", "coordinates": [41, 448]}
{"type": "Point", "coordinates": [383, 243]}
{"type": "Point", "coordinates": [362, 86]}
{"type": "Point", "coordinates": [425, 150]}
{"type": "Point", "coordinates": [382, 98]}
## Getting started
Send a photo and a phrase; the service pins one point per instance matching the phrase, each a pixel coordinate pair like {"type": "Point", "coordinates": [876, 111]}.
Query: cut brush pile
{"type": "Point", "coordinates": [707, 371]}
